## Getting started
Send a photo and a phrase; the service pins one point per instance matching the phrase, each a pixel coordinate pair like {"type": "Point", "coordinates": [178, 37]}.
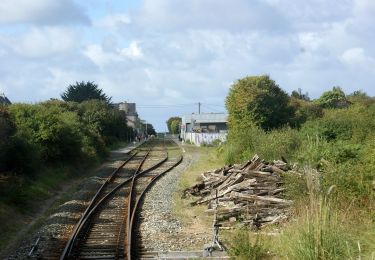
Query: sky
{"type": "Point", "coordinates": [168, 55]}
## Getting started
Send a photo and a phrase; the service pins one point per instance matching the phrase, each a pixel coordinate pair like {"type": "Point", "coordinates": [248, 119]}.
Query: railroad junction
{"type": "Point", "coordinates": [123, 212]}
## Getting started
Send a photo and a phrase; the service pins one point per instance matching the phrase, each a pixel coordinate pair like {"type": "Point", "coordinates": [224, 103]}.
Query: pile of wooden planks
{"type": "Point", "coordinates": [250, 193]}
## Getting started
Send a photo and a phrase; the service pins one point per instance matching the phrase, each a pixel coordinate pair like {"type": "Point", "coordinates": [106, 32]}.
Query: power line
{"type": "Point", "coordinates": [164, 105]}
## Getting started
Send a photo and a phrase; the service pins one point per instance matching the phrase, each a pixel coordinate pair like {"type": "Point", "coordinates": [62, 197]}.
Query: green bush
{"type": "Point", "coordinates": [53, 129]}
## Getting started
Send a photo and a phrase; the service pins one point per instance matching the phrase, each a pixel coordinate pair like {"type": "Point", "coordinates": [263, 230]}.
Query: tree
{"type": "Point", "coordinates": [258, 101]}
{"type": "Point", "coordinates": [83, 91]}
{"type": "Point", "coordinates": [150, 129]}
{"type": "Point", "coordinates": [104, 121]}
{"type": "Point", "coordinates": [175, 127]}
{"type": "Point", "coordinates": [334, 98]}
{"type": "Point", "coordinates": [173, 124]}
{"type": "Point", "coordinates": [304, 110]}
{"type": "Point", "coordinates": [299, 95]}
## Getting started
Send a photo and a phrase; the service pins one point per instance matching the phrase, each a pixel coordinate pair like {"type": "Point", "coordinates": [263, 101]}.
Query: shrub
{"type": "Point", "coordinates": [53, 129]}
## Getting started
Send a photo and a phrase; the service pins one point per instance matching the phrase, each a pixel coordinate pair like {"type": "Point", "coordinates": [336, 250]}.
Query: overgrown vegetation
{"type": "Point", "coordinates": [333, 134]}
{"type": "Point", "coordinates": [43, 144]}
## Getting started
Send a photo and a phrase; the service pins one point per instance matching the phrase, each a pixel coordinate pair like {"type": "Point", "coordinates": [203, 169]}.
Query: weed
{"type": "Point", "coordinates": [244, 247]}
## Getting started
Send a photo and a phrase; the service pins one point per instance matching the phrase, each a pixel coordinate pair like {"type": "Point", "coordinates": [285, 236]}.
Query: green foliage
{"type": "Point", "coordinates": [53, 129]}
{"type": "Point", "coordinates": [299, 95]}
{"type": "Point", "coordinates": [338, 143]}
{"type": "Point", "coordinates": [173, 124]}
{"type": "Point", "coordinates": [175, 127]}
{"type": "Point", "coordinates": [319, 234]}
{"type": "Point", "coordinates": [258, 100]}
{"type": "Point", "coordinates": [7, 129]}
{"type": "Point", "coordinates": [304, 110]}
{"type": "Point", "coordinates": [269, 145]}
{"type": "Point", "coordinates": [244, 248]}
{"type": "Point", "coordinates": [334, 98]}
{"type": "Point", "coordinates": [56, 131]}
{"type": "Point", "coordinates": [83, 91]}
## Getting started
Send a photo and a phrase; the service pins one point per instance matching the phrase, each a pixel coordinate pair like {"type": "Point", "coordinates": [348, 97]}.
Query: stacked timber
{"type": "Point", "coordinates": [250, 193]}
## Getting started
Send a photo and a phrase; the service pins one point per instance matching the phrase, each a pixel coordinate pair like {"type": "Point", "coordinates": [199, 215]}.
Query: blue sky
{"type": "Point", "coordinates": [168, 55]}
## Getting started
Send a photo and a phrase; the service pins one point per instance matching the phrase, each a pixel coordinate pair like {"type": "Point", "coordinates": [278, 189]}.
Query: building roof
{"type": "Point", "coordinates": [4, 100]}
{"type": "Point", "coordinates": [205, 118]}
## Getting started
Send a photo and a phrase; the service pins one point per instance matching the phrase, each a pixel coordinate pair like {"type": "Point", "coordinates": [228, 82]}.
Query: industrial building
{"type": "Point", "coordinates": [204, 128]}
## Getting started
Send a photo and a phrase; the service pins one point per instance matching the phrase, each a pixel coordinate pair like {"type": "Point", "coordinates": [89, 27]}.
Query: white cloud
{"type": "Point", "coordinates": [97, 55]}
{"type": "Point", "coordinates": [113, 20]}
{"type": "Point", "coordinates": [235, 15]}
{"type": "Point", "coordinates": [132, 52]}
{"type": "Point", "coordinates": [41, 42]}
{"type": "Point", "coordinates": [102, 58]}
{"type": "Point", "coordinates": [44, 12]}
{"type": "Point", "coordinates": [357, 57]}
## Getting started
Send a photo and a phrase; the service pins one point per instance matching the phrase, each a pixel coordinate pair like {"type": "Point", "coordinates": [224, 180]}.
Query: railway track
{"type": "Point", "coordinates": [108, 227]}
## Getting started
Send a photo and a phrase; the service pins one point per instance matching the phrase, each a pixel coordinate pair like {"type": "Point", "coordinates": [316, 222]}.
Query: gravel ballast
{"type": "Point", "coordinates": [160, 228]}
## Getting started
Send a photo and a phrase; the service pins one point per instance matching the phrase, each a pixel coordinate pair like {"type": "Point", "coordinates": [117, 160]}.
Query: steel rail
{"type": "Point", "coordinates": [89, 207]}
{"type": "Point", "coordinates": [92, 209]}
{"type": "Point", "coordinates": [84, 220]}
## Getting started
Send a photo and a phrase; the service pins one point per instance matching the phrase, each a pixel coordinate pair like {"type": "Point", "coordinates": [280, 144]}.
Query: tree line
{"type": "Point", "coordinates": [80, 127]}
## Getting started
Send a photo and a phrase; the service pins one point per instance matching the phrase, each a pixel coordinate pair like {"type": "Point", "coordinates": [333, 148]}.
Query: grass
{"type": "Point", "coordinates": [25, 199]}
{"type": "Point", "coordinates": [319, 234]}
{"type": "Point", "coordinates": [207, 159]}
{"type": "Point", "coordinates": [246, 245]}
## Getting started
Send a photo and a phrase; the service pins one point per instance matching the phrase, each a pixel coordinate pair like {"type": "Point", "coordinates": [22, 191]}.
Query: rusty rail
{"type": "Point", "coordinates": [131, 208]}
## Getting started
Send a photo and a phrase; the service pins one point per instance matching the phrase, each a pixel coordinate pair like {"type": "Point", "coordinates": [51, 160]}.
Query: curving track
{"type": "Point", "coordinates": [107, 229]}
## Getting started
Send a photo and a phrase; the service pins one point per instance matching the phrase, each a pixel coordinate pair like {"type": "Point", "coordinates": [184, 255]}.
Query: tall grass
{"type": "Point", "coordinates": [246, 248]}
{"type": "Point", "coordinates": [320, 231]}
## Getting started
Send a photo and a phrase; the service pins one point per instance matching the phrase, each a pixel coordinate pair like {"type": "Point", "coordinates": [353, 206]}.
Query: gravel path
{"type": "Point", "coordinates": [160, 229]}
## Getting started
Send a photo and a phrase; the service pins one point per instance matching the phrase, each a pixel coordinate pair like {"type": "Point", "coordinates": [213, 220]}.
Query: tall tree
{"type": "Point", "coordinates": [82, 91]}
{"type": "Point", "coordinates": [258, 100]}
{"type": "Point", "coordinates": [173, 124]}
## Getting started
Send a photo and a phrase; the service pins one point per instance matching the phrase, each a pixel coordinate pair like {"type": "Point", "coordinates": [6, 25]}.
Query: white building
{"type": "Point", "coordinates": [204, 128]}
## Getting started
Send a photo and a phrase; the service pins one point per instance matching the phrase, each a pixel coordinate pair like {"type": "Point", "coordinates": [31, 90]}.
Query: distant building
{"type": "Point", "coordinates": [130, 110]}
{"type": "Point", "coordinates": [4, 100]}
{"type": "Point", "coordinates": [204, 128]}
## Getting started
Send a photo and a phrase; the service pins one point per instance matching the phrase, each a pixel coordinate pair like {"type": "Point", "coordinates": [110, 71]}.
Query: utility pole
{"type": "Point", "coordinates": [199, 107]}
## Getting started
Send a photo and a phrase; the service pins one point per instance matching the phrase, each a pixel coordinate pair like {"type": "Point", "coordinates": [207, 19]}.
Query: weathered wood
{"type": "Point", "coordinates": [238, 195]}
{"type": "Point", "coordinates": [250, 193]}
